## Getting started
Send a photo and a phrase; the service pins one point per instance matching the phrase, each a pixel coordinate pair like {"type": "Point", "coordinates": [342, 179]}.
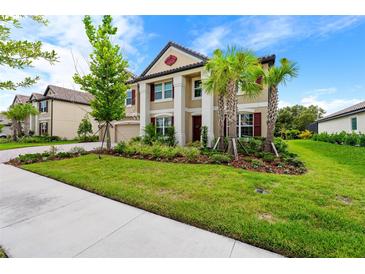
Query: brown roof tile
{"type": "Point", "coordinates": [68, 95]}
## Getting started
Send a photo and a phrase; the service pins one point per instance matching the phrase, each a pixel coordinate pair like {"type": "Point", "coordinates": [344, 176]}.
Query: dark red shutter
{"type": "Point", "coordinates": [46, 106]}
{"type": "Point", "coordinates": [40, 129]}
{"type": "Point", "coordinates": [133, 96]}
{"type": "Point", "coordinates": [257, 124]}
{"type": "Point", "coordinates": [47, 127]}
{"type": "Point", "coordinates": [153, 120]}
{"type": "Point", "coordinates": [173, 89]}
{"type": "Point", "coordinates": [152, 97]}
{"type": "Point", "coordinates": [39, 106]}
{"type": "Point", "coordinates": [172, 120]}
{"type": "Point", "coordinates": [259, 80]}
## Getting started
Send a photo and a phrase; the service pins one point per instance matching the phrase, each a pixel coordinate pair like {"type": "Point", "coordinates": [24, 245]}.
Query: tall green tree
{"type": "Point", "coordinates": [20, 54]}
{"type": "Point", "coordinates": [297, 117]}
{"type": "Point", "coordinates": [273, 77]}
{"type": "Point", "coordinates": [18, 113]}
{"type": "Point", "coordinates": [108, 76]}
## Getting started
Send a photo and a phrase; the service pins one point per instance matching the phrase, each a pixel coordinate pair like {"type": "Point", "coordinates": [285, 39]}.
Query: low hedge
{"type": "Point", "coordinates": [341, 138]}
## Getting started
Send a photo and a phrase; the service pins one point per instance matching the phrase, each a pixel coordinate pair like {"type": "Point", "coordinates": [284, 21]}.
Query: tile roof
{"type": "Point", "coordinates": [68, 95]}
{"type": "Point", "coordinates": [22, 98]}
{"type": "Point", "coordinates": [36, 96]}
{"type": "Point", "coordinates": [360, 107]}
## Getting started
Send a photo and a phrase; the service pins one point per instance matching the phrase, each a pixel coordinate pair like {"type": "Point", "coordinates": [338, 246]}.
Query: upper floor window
{"type": "Point", "coordinates": [162, 123]}
{"type": "Point", "coordinates": [43, 106]}
{"type": "Point", "coordinates": [128, 100]}
{"type": "Point", "coordinates": [244, 124]}
{"type": "Point", "coordinates": [197, 88]}
{"type": "Point", "coordinates": [354, 123]}
{"type": "Point", "coordinates": [162, 91]}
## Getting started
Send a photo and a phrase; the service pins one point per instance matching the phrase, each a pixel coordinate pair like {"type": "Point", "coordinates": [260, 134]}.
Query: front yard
{"type": "Point", "coordinates": [12, 145]}
{"type": "Point", "coordinates": [319, 214]}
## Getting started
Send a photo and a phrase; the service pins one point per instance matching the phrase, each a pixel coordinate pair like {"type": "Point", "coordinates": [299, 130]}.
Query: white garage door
{"type": "Point", "coordinates": [126, 131]}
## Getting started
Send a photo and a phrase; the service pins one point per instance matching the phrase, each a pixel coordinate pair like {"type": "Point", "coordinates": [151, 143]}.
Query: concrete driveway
{"type": "Point", "coordinates": [6, 155]}
{"type": "Point", "coordinates": [41, 217]}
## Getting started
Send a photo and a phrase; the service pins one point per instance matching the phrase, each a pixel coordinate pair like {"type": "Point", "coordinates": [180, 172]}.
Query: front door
{"type": "Point", "coordinates": [197, 124]}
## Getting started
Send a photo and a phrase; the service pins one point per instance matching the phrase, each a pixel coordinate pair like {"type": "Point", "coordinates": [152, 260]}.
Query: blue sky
{"type": "Point", "coordinates": [330, 50]}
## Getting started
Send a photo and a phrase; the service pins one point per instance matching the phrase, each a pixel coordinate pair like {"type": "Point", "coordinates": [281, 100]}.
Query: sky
{"type": "Point", "coordinates": [329, 50]}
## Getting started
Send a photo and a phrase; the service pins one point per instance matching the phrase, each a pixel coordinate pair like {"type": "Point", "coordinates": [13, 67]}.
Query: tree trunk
{"type": "Point", "coordinates": [27, 125]}
{"type": "Point", "coordinates": [271, 117]}
{"type": "Point", "coordinates": [108, 140]}
{"type": "Point", "coordinates": [19, 128]}
{"type": "Point", "coordinates": [221, 121]}
{"type": "Point", "coordinates": [14, 128]}
{"type": "Point", "coordinates": [232, 118]}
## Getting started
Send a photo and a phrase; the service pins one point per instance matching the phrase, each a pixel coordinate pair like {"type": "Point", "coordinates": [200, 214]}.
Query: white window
{"type": "Point", "coordinates": [128, 101]}
{"type": "Point", "coordinates": [43, 128]}
{"type": "Point", "coordinates": [197, 88]}
{"type": "Point", "coordinates": [43, 106]}
{"type": "Point", "coordinates": [244, 124]}
{"type": "Point", "coordinates": [162, 123]}
{"type": "Point", "coordinates": [167, 90]}
{"type": "Point", "coordinates": [163, 91]}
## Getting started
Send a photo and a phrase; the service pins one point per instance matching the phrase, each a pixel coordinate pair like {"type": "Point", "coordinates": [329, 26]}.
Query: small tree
{"type": "Point", "coordinates": [20, 54]}
{"type": "Point", "coordinates": [204, 136]}
{"type": "Point", "coordinates": [108, 76]}
{"type": "Point", "coordinates": [18, 113]}
{"type": "Point", "coordinates": [85, 128]}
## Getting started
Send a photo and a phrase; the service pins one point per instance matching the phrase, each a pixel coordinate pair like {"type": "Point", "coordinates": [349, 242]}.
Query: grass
{"type": "Point", "coordinates": [12, 145]}
{"type": "Point", "coordinates": [319, 214]}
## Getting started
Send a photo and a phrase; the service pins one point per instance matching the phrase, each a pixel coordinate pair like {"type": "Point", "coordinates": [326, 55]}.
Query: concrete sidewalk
{"type": "Point", "coordinates": [6, 155]}
{"type": "Point", "coordinates": [41, 217]}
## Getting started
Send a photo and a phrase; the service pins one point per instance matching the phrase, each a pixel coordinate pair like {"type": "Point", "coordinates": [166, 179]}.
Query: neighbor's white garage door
{"type": "Point", "coordinates": [126, 131]}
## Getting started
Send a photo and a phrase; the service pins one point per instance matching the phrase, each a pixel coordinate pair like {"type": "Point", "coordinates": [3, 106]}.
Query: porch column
{"type": "Point", "coordinates": [144, 91]}
{"type": "Point", "coordinates": [179, 108]}
{"type": "Point", "coordinates": [207, 110]}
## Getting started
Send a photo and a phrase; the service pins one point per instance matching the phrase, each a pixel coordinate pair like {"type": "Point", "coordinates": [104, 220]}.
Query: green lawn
{"type": "Point", "coordinates": [12, 145]}
{"type": "Point", "coordinates": [319, 214]}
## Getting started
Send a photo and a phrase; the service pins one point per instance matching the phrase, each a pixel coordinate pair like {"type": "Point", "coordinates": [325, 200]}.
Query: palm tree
{"type": "Point", "coordinates": [216, 83]}
{"type": "Point", "coordinates": [273, 77]}
{"type": "Point", "coordinates": [18, 113]}
{"type": "Point", "coordinates": [243, 70]}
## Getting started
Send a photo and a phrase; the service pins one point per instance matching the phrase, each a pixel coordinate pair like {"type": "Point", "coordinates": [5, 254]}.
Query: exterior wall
{"type": "Point", "coordinates": [44, 117]}
{"type": "Point", "coordinates": [133, 110]}
{"type": "Point", "coordinates": [67, 117]}
{"type": "Point", "coordinates": [182, 60]}
{"type": "Point", "coordinates": [342, 123]}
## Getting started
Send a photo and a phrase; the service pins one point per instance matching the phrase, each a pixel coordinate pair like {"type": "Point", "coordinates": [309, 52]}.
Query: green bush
{"type": "Point", "coordinates": [281, 145]}
{"type": "Point", "coordinates": [120, 147]}
{"type": "Point", "coordinates": [204, 136]}
{"type": "Point", "coordinates": [251, 144]}
{"type": "Point", "coordinates": [64, 154]}
{"type": "Point", "coordinates": [306, 134]}
{"type": "Point", "coordinates": [170, 138]}
{"type": "Point", "coordinates": [30, 158]}
{"type": "Point", "coordinates": [78, 150]}
{"type": "Point", "coordinates": [150, 135]}
{"type": "Point", "coordinates": [267, 156]}
{"type": "Point", "coordinates": [220, 158]}
{"type": "Point", "coordinates": [352, 139]}
{"type": "Point", "coordinates": [88, 138]}
{"type": "Point", "coordinates": [362, 140]}
{"type": "Point", "coordinates": [256, 163]}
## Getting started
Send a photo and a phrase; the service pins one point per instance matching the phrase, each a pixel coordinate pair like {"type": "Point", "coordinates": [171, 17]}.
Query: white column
{"type": "Point", "coordinates": [179, 109]}
{"type": "Point", "coordinates": [144, 90]}
{"type": "Point", "coordinates": [208, 111]}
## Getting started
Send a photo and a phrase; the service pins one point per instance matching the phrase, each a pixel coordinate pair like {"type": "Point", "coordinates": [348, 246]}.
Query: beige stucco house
{"type": "Point", "coordinates": [351, 119]}
{"type": "Point", "coordinates": [60, 111]}
{"type": "Point", "coordinates": [169, 92]}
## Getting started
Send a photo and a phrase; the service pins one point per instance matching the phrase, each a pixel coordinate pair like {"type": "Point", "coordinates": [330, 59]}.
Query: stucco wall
{"type": "Point", "coordinates": [343, 123]}
{"type": "Point", "coordinates": [67, 117]}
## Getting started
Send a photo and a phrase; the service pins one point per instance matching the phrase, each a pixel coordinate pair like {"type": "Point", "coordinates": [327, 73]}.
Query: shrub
{"type": "Point", "coordinates": [52, 151]}
{"type": "Point", "coordinates": [136, 139]}
{"type": "Point", "coordinates": [281, 145]}
{"type": "Point", "coordinates": [29, 158]}
{"type": "Point", "coordinates": [85, 128]}
{"type": "Point", "coordinates": [120, 147]}
{"type": "Point", "coordinates": [64, 154]}
{"type": "Point", "coordinates": [291, 134]}
{"type": "Point", "coordinates": [251, 144]}
{"type": "Point", "coordinates": [362, 140]}
{"type": "Point", "coordinates": [78, 150]}
{"type": "Point", "coordinates": [204, 136]}
{"type": "Point", "coordinates": [170, 138]}
{"type": "Point", "coordinates": [267, 156]}
{"type": "Point", "coordinates": [90, 138]}
{"type": "Point", "coordinates": [196, 144]}
{"type": "Point", "coordinates": [150, 134]}
{"type": "Point", "coordinates": [306, 134]}
{"type": "Point", "coordinates": [256, 163]}
{"type": "Point", "coordinates": [352, 139]}
{"type": "Point", "coordinates": [220, 158]}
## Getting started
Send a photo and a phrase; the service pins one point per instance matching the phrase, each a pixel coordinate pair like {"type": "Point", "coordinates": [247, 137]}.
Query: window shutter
{"type": "Point", "coordinates": [40, 129]}
{"type": "Point", "coordinates": [173, 89]}
{"type": "Point", "coordinates": [47, 127]}
{"type": "Point", "coordinates": [46, 106]}
{"type": "Point", "coordinates": [172, 120]}
{"type": "Point", "coordinates": [152, 97]}
{"type": "Point", "coordinates": [153, 120]}
{"type": "Point", "coordinates": [39, 106]}
{"type": "Point", "coordinates": [257, 124]}
{"type": "Point", "coordinates": [133, 96]}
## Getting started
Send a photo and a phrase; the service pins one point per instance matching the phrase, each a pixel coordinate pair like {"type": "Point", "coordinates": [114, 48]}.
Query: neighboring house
{"type": "Point", "coordinates": [169, 92]}
{"type": "Point", "coordinates": [349, 119]}
{"type": "Point", "coordinates": [6, 130]}
{"type": "Point", "coordinates": [60, 112]}
{"type": "Point", "coordinates": [21, 99]}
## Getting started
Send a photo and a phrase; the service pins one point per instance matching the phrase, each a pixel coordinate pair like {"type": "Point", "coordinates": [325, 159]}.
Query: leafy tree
{"type": "Point", "coordinates": [297, 117]}
{"type": "Point", "coordinates": [108, 76]}
{"type": "Point", "coordinates": [20, 54]}
{"type": "Point", "coordinates": [85, 128]}
{"type": "Point", "coordinates": [18, 113]}
{"type": "Point", "coordinates": [1, 128]}
{"type": "Point", "coordinates": [273, 77]}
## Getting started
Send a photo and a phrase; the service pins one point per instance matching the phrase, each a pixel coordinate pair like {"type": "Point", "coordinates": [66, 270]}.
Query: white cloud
{"type": "Point", "coordinates": [322, 91]}
{"type": "Point", "coordinates": [262, 32]}
{"type": "Point", "coordinates": [329, 105]}
{"type": "Point", "coordinates": [283, 104]}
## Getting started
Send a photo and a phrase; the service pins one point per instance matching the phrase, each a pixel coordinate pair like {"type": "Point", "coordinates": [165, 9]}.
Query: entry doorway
{"type": "Point", "coordinates": [197, 124]}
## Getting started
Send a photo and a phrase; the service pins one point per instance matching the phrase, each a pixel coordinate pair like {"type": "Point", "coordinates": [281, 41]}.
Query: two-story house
{"type": "Point", "coordinates": [170, 92]}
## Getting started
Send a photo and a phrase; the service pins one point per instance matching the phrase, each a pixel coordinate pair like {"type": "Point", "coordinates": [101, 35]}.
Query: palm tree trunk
{"type": "Point", "coordinates": [221, 121]}
{"type": "Point", "coordinates": [232, 118]}
{"type": "Point", "coordinates": [271, 117]}
{"type": "Point", "coordinates": [19, 126]}
{"type": "Point", "coordinates": [14, 128]}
